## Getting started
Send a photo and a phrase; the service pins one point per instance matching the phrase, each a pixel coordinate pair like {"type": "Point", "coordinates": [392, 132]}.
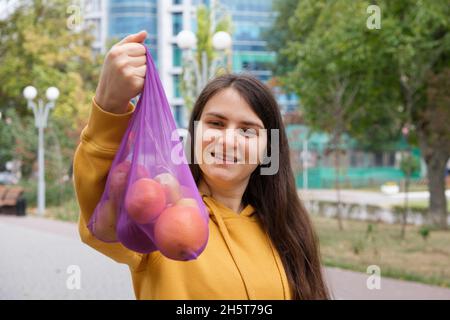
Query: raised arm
{"type": "Point", "coordinates": [122, 78]}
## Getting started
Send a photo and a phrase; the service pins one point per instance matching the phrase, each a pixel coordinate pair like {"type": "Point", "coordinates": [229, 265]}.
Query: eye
{"type": "Point", "coordinates": [215, 123]}
{"type": "Point", "coordinates": [248, 132]}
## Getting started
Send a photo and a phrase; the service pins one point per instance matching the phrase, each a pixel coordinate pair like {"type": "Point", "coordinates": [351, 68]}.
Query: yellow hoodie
{"type": "Point", "coordinates": [239, 261]}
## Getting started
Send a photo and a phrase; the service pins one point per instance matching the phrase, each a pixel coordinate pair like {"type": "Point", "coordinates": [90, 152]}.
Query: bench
{"type": "Point", "coordinates": [12, 200]}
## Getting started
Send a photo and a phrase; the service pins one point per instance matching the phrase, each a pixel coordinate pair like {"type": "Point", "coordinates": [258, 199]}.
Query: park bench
{"type": "Point", "coordinates": [12, 200]}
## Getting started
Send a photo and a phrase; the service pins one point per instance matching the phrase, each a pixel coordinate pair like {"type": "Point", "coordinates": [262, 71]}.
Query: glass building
{"type": "Point", "coordinates": [250, 19]}
{"type": "Point", "coordinates": [130, 16]}
{"type": "Point", "coordinates": [164, 19]}
{"type": "Point", "coordinates": [250, 53]}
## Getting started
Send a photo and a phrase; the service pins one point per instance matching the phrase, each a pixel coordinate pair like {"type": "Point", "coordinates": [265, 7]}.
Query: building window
{"type": "Point", "coordinates": [179, 115]}
{"type": "Point", "coordinates": [176, 86]}
{"type": "Point", "coordinates": [177, 56]}
{"type": "Point", "coordinates": [177, 23]}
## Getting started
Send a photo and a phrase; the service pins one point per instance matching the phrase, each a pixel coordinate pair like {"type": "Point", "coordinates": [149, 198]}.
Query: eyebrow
{"type": "Point", "coordinates": [246, 122]}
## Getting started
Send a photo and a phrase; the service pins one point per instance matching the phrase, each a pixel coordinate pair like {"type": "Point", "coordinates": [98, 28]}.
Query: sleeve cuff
{"type": "Point", "coordinates": [106, 129]}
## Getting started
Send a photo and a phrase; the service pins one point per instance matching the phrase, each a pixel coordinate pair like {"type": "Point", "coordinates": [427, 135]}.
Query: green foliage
{"type": "Point", "coordinates": [369, 83]}
{"type": "Point", "coordinates": [352, 79]}
{"type": "Point", "coordinates": [22, 142]}
{"type": "Point", "coordinates": [57, 192]}
{"type": "Point", "coordinates": [6, 139]}
{"type": "Point", "coordinates": [38, 48]}
{"type": "Point", "coordinates": [284, 10]}
{"type": "Point", "coordinates": [370, 230]}
{"type": "Point", "coordinates": [409, 165]}
{"type": "Point", "coordinates": [424, 231]}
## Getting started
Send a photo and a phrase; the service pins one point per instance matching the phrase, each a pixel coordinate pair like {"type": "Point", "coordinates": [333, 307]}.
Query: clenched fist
{"type": "Point", "coordinates": [123, 73]}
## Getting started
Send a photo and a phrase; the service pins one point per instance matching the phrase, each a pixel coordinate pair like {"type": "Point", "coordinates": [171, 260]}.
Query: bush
{"type": "Point", "coordinates": [55, 193]}
{"type": "Point", "coordinates": [424, 231]}
{"type": "Point", "coordinates": [400, 209]}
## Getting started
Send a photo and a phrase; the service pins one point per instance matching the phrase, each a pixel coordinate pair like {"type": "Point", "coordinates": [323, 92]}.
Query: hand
{"type": "Point", "coordinates": [123, 73]}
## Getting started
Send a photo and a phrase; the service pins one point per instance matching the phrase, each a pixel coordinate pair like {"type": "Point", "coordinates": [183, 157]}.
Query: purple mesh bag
{"type": "Point", "coordinates": [151, 201]}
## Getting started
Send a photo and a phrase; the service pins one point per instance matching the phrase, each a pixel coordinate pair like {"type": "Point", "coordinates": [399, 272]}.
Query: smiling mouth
{"type": "Point", "coordinates": [224, 159]}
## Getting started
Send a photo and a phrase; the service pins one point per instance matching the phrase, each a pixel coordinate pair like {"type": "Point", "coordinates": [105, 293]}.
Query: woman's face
{"type": "Point", "coordinates": [233, 139]}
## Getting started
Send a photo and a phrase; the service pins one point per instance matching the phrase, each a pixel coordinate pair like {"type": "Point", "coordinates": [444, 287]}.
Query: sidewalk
{"type": "Point", "coordinates": [36, 253]}
{"type": "Point", "coordinates": [363, 197]}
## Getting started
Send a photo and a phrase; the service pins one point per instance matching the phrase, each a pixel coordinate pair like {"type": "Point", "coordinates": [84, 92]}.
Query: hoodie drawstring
{"type": "Point", "coordinates": [226, 235]}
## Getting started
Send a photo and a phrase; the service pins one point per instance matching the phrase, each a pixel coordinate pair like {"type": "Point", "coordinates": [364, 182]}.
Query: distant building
{"type": "Point", "coordinates": [94, 14]}
{"type": "Point", "coordinates": [164, 19]}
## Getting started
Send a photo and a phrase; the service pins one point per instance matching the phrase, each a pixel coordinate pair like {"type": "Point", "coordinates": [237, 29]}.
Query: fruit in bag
{"type": "Point", "coordinates": [189, 202]}
{"type": "Point", "coordinates": [181, 233]}
{"type": "Point", "coordinates": [187, 192]}
{"type": "Point", "coordinates": [150, 202]}
{"type": "Point", "coordinates": [105, 224]}
{"type": "Point", "coordinates": [145, 200]}
{"type": "Point", "coordinates": [119, 177]}
{"type": "Point", "coordinates": [139, 242]}
{"type": "Point", "coordinates": [171, 187]}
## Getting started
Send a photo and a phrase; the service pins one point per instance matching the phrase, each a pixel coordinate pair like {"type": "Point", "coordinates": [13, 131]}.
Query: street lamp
{"type": "Point", "coordinates": [187, 41]}
{"type": "Point", "coordinates": [221, 40]}
{"type": "Point", "coordinates": [40, 111]}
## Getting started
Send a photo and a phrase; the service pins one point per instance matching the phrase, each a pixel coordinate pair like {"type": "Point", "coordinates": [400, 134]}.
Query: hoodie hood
{"type": "Point", "coordinates": [219, 213]}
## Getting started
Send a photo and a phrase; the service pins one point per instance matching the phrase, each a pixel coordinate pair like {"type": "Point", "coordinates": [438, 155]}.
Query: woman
{"type": "Point", "coordinates": [261, 244]}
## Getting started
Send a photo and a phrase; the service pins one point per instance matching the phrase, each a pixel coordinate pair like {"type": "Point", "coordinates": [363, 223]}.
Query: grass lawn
{"type": "Point", "coordinates": [412, 259]}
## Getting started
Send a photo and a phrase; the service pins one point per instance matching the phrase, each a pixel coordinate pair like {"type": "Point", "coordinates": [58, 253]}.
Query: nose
{"type": "Point", "coordinates": [229, 141]}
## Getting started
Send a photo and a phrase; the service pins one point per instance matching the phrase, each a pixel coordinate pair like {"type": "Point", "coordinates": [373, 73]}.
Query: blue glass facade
{"type": "Point", "coordinates": [250, 53]}
{"type": "Point", "coordinates": [129, 16]}
{"type": "Point", "coordinates": [250, 19]}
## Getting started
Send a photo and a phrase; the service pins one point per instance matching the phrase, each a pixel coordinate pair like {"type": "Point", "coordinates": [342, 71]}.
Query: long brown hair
{"type": "Point", "coordinates": [274, 197]}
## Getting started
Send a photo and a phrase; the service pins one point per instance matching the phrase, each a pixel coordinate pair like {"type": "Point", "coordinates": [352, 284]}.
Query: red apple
{"type": "Point", "coordinates": [105, 222]}
{"type": "Point", "coordinates": [119, 178]}
{"type": "Point", "coordinates": [181, 233]}
{"type": "Point", "coordinates": [145, 200]}
{"type": "Point", "coordinates": [189, 202]}
{"type": "Point", "coordinates": [171, 187]}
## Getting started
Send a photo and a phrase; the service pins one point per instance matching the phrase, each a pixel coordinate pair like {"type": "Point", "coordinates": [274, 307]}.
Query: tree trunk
{"type": "Point", "coordinates": [433, 129]}
{"type": "Point", "coordinates": [436, 166]}
{"type": "Point", "coordinates": [338, 188]}
{"type": "Point", "coordinates": [406, 208]}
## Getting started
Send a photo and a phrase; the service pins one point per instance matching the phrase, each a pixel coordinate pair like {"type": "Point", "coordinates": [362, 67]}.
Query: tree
{"type": "Point", "coordinates": [370, 83]}
{"type": "Point", "coordinates": [38, 48]}
{"type": "Point", "coordinates": [328, 70]}
{"type": "Point", "coordinates": [409, 165]}
{"type": "Point", "coordinates": [420, 47]}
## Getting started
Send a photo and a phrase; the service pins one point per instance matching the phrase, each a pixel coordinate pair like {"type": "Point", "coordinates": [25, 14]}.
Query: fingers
{"type": "Point", "coordinates": [133, 49]}
{"type": "Point", "coordinates": [136, 37]}
{"type": "Point", "coordinates": [140, 71]}
{"type": "Point", "coordinates": [137, 61]}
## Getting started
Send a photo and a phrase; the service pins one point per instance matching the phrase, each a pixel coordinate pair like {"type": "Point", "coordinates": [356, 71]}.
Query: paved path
{"type": "Point", "coordinates": [363, 197]}
{"type": "Point", "coordinates": [35, 255]}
